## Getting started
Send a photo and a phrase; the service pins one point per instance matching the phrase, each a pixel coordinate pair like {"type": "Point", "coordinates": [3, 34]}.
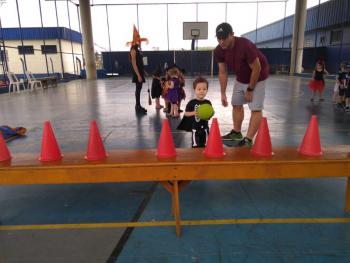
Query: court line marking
{"type": "Point", "coordinates": [172, 223]}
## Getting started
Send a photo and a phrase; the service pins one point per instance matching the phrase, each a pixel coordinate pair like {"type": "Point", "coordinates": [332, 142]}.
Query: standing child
{"type": "Point", "coordinates": [341, 85]}
{"type": "Point", "coordinates": [156, 89]}
{"type": "Point", "coordinates": [173, 86]}
{"type": "Point", "coordinates": [317, 82]}
{"type": "Point", "coordinates": [347, 95]}
{"type": "Point", "coordinates": [191, 122]}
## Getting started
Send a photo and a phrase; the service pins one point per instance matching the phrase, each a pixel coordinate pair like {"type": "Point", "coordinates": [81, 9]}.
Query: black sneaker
{"type": "Point", "coordinates": [245, 142]}
{"type": "Point", "coordinates": [232, 136]}
{"type": "Point", "coordinates": [140, 110]}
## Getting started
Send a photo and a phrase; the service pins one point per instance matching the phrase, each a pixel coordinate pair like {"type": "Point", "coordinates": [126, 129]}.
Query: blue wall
{"type": "Point", "coordinates": [199, 62]}
{"type": "Point", "coordinates": [38, 33]}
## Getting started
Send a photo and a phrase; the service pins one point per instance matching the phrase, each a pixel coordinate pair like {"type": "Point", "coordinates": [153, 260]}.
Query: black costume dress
{"type": "Point", "coordinates": [198, 127]}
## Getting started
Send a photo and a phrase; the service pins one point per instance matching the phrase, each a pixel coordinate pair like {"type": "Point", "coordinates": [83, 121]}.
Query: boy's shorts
{"type": "Point", "coordinates": [347, 92]}
{"type": "Point", "coordinates": [341, 91]}
{"type": "Point", "coordinates": [257, 104]}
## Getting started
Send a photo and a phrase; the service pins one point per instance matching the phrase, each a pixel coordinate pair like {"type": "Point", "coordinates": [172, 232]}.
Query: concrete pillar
{"type": "Point", "coordinates": [298, 37]}
{"type": "Point", "coordinates": [88, 42]}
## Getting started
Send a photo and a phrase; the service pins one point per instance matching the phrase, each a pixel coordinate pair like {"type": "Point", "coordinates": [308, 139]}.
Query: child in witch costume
{"type": "Point", "coordinates": [156, 90]}
{"type": "Point", "coordinates": [173, 86]}
{"type": "Point", "coordinates": [138, 73]}
{"type": "Point", "coordinates": [191, 122]}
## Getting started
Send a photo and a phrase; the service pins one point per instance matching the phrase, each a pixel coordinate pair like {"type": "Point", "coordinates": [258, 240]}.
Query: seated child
{"type": "Point", "coordinates": [190, 121]}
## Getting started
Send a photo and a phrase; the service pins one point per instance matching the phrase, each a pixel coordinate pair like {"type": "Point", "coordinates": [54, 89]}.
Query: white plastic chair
{"type": "Point", "coordinates": [32, 81]}
{"type": "Point", "coordinates": [14, 82]}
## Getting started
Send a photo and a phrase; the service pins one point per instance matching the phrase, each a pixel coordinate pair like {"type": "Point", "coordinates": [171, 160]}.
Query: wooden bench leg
{"type": "Point", "coordinates": [176, 206]}
{"type": "Point", "coordinates": [347, 196]}
{"type": "Point", "coordinates": [174, 187]}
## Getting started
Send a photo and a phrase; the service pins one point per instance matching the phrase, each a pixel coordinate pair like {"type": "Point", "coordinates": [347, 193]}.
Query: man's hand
{"type": "Point", "coordinates": [139, 79]}
{"type": "Point", "coordinates": [224, 100]}
{"type": "Point", "coordinates": [248, 95]}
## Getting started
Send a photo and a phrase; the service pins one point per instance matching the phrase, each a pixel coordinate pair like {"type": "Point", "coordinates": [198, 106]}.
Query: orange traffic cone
{"type": "Point", "coordinates": [262, 144]}
{"type": "Point", "coordinates": [166, 147]}
{"type": "Point", "coordinates": [50, 151]}
{"type": "Point", "coordinates": [4, 151]}
{"type": "Point", "coordinates": [96, 150]}
{"type": "Point", "coordinates": [214, 147]}
{"type": "Point", "coordinates": [311, 145]}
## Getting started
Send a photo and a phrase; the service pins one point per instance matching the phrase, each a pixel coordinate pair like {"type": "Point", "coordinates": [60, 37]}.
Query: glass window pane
{"type": "Point", "coordinates": [121, 26]}
{"type": "Point", "coordinates": [99, 28]}
{"type": "Point", "coordinates": [206, 14]}
{"type": "Point", "coordinates": [242, 17]}
{"type": "Point", "coordinates": [177, 15]}
{"type": "Point", "coordinates": [152, 21]}
{"type": "Point", "coordinates": [270, 12]}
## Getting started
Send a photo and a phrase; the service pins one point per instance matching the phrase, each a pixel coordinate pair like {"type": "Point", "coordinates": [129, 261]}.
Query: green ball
{"type": "Point", "coordinates": [205, 111]}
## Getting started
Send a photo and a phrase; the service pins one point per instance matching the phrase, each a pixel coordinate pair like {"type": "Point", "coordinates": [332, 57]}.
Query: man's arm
{"type": "Point", "coordinates": [134, 65]}
{"type": "Point", "coordinates": [254, 76]}
{"type": "Point", "coordinates": [223, 76]}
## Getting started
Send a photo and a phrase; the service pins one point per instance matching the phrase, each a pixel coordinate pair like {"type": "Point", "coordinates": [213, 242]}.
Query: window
{"type": "Point", "coordinates": [25, 50]}
{"type": "Point", "coordinates": [48, 49]}
{"type": "Point", "coordinates": [308, 42]}
{"type": "Point", "coordinates": [336, 36]}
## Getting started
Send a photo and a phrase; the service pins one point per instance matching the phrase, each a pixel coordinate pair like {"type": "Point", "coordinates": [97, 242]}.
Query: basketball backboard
{"type": "Point", "coordinates": [195, 30]}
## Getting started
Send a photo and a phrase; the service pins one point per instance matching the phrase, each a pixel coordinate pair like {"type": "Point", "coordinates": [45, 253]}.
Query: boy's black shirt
{"type": "Point", "coordinates": [193, 123]}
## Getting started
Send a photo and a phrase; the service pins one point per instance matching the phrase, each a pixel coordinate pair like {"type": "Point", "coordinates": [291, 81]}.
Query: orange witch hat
{"type": "Point", "coordinates": [136, 39]}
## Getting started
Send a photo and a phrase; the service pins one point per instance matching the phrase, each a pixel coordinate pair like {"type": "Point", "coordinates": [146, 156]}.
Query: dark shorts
{"type": "Point", "coordinates": [347, 92]}
{"type": "Point", "coordinates": [341, 91]}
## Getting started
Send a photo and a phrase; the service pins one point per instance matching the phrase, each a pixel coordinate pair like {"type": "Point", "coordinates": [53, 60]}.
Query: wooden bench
{"type": "Point", "coordinates": [47, 81]}
{"type": "Point", "coordinates": [175, 174]}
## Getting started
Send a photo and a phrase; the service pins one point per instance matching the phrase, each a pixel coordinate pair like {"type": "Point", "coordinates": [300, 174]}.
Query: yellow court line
{"type": "Point", "coordinates": [183, 223]}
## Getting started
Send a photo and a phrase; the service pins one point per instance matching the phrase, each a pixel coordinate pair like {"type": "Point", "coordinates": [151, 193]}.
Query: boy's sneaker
{"type": "Point", "coordinates": [245, 142]}
{"type": "Point", "coordinates": [347, 108]}
{"type": "Point", "coordinates": [232, 136]}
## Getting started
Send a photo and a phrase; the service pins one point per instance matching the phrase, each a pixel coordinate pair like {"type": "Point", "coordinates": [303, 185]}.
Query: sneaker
{"type": "Point", "coordinates": [232, 136]}
{"type": "Point", "coordinates": [312, 100]}
{"type": "Point", "coordinates": [140, 109]}
{"type": "Point", "coordinates": [245, 142]}
{"type": "Point", "coordinates": [347, 109]}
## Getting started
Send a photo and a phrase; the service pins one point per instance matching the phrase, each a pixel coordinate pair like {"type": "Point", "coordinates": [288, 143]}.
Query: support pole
{"type": "Point", "coordinates": [88, 42]}
{"type": "Point", "coordinates": [298, 37]}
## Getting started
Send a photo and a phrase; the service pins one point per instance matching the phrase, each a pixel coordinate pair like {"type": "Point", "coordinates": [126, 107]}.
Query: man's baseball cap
{"type": "Point", "coordinates": [223, 30]}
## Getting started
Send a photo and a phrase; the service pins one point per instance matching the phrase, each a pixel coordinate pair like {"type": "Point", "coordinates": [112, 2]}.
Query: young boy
{"type": "Point", "coordinates": [190, 122]}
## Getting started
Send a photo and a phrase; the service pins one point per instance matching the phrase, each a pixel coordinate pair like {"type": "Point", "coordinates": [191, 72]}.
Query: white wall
{"type": "Point", "coordinates": [69, 65]}
{"type": "Point", "coordinates": [36, 62]}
